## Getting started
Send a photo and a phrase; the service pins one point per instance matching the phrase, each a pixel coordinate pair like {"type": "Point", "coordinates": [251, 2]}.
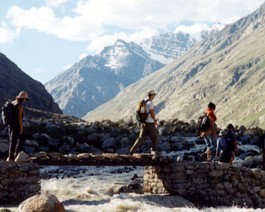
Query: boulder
{"type": "Point", "coordinates": [108, 144]}
{"type": "Point", "coordinates": [92, 140]}
{"type": "Point", "coordinates": [41, 203]}
{"type": "Point", "coordinates": [69, 140]}
{"type": "Point", "coordinates": [248, 161]}
{"type": "Point", "coordinates": [43, 139]}
{"type": "Point", "coordinates": [4, 145]}
{"type": "Point", "coordinates": [54, 144]}
{"type": "Point", "coordinates": [65, 149]}
{"type": "Point", "coordinates": [82, 147]}
{"type": "Point", "coordinates": [22, 157]}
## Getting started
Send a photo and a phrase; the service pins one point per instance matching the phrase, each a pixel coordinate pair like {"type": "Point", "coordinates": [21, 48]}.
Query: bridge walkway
{"type": "Point", "coordinates": [105, 159]}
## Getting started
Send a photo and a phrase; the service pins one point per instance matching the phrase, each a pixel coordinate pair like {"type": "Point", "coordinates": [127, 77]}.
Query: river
{"type": "Point", "coordinates": [85, 189]}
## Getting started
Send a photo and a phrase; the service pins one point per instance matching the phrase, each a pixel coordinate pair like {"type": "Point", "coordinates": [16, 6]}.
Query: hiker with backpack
{"type": "Point", "coordinates": [13, 118]}
{"type": "Point", "coordinates": [207, 129]}
{"type": "Point", "coordinates": [231, 132]}
{"type": "Point", "coordinates": [226, 146]}
{"type": "Point", "coordinates": [148, 123]}
{"type": "Point", "coordinates": [261, 145]}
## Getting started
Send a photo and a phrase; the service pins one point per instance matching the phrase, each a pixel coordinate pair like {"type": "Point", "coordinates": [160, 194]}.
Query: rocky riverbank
{"type": "Point", "coordinates": [68, 135]}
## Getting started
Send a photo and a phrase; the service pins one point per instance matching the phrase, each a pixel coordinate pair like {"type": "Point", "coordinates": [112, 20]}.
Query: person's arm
{"type": "Point", "coordinates": [152, 114]}
{"type": "Point", "coordinates": [213, 119]}
{"type": "Point", "coordinates": [20, 118]}
{"type": "Point", "coordinates": [218, 147]}
{"type": "Point", "coordinates": [213, 127]}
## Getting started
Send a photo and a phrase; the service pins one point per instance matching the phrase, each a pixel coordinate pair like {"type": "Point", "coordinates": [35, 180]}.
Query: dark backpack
{"type": "Point", "coordinates": [261, 141]}
{"type": "Point", "coordinates": [227, 144]}
{"type": "Point", "coordinates": [141, 113]}
{"type": "Point", "coordinates": [8, 113]}
{"type": "Point", "coordinates": [203, 123]}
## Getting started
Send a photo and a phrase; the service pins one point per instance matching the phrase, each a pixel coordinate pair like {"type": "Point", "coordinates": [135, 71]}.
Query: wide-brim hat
{"type": "Point", "coordinates": [23, 95]}
{"type": "Point", "coordinates": [151, 92]}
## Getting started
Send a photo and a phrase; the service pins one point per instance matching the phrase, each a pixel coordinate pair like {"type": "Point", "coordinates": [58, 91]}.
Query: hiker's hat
{"type": "Point", "coordinates": [23, 95]}
{"type": "Point", "coordinates": [223, 133]}
{"type": "Point", "coordinates": [151, 92]}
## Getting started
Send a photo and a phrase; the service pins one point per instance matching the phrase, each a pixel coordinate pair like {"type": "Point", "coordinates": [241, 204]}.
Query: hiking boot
{"type": "Point", "coordinates": [9, 159]}
{"type": "Point", "coordinates": [155, 153]}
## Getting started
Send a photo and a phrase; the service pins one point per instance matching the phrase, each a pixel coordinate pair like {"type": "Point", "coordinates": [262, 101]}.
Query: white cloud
{"type": "Point", "coordinates": [55, 3]}
{"type": "Point", "coordinates": [94, 18]}
{"type": "Point", "coordinates": [6, 34]}
{"type": "Point", "coordinates": [139, 14]}
{"type": "Point", "coordinates": [196, 29]}
{"type": "Point", "coordinates": [97, 44]}
{"type": "Point", "coordinates": [43, 19]}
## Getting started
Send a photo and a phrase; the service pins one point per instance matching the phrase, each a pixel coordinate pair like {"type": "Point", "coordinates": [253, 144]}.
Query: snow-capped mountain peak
{"type": "Point", "coordinates": [116, 56]}
{"type": "Point", "coordinates": [96, 79]}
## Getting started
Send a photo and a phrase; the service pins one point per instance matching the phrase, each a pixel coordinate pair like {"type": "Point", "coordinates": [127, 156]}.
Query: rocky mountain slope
{"type": "Point", "coordinates": [114, 68]}
{"type": "Point", "coordinates": [13, 80]}
{"type": "Point", "coordinates": [97, 79]}
{"type": "Point", "coordinates": [168, 46]}
{"type": "Point", "coordinates": [226, 68]}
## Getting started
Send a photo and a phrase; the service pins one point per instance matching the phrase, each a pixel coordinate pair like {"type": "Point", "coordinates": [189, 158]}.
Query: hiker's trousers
{"type": "Point", "coordinates": [16, 140]}
{"type": "Point", "coordinates": [210, 142]}
{"type": "Point", "coordinates": [147, 129]}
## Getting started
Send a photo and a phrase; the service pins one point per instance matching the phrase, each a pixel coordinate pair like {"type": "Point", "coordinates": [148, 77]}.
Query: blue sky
{"type": "Point", "coordinates": [44, 37]}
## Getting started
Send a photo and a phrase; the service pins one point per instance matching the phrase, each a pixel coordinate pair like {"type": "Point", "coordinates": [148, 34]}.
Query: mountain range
{"type": "Point", "coordinates": [227, 68]}
{"type": "Point", "coordinates": [95, 80]}
{"type": "Point", "coordinates": [13, 80]}
{"type": "Point", "coordinates": [168, 46]}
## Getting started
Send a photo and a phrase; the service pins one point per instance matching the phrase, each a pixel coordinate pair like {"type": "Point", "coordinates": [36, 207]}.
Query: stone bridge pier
{"type": "Point", "coordinates": [18, 181]}
{"type": "Point", "coordinates": [208, 183]}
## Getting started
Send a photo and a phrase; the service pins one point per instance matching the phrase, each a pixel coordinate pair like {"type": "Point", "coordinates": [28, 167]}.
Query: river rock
{"type": "Point", "coordinates": [41, 203]}
{"type": "Point", "coordinates": [4, 145]}
{"type": "Point", "coordinates": [65, 149]}
{"type": "Point", "coordinates": [248, 161]}
{"type": "Point", "coordinates": [92, 140]}
{"type": "Point", "coordinates": [44, 139]}
{"type": "Point", "coordinates": [108, 144]}
{"type": "Point", "coordinates": [22, 157]}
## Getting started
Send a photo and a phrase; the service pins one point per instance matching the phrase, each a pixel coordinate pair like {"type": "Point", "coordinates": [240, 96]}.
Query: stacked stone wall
{"type": "Point", "coordinates": [18, 181]}
{"type": "Point", "coordinates": [208, 183]}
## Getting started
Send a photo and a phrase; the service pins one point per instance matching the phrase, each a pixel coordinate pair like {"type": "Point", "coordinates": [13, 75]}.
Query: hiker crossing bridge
{"type": "Point", "coordinates": [104, 159]}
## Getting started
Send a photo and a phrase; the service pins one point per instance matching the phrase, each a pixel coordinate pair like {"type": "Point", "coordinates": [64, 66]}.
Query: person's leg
{"type": "Point", "coordinates": [208, 146]}
{"type": "Point", "coordinates": [152, 132]}
{"type": "Point", "coordinates": [140, 139]}
{"type": "Point", "coordinates": [20, 144]}
{"type": "Point", "coordinates": [207, 141]}
{"type": "Point", "coordinates": [213, 141]}
{"type": "Point", "coordinates": [210, 142]}
{"type": "Point", "coordinates": [225, 157]}
{"type": "Point", "coordinates": [13, 137]}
